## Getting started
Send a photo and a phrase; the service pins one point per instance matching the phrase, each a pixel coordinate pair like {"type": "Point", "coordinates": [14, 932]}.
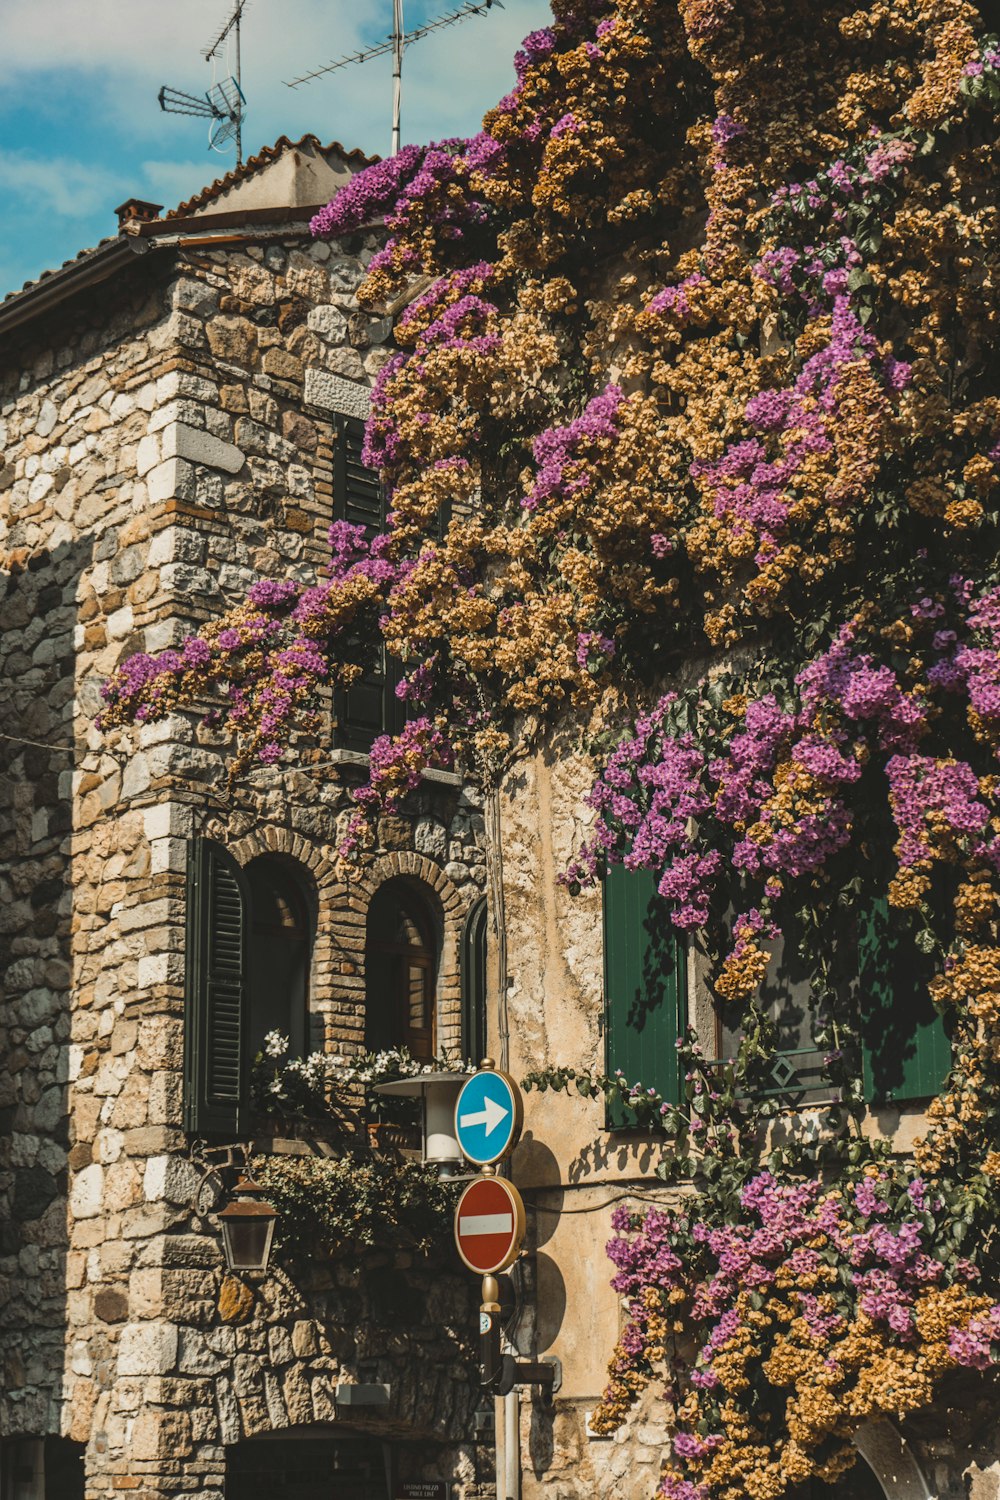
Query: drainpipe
{"type": "Point", "coordinates": [511, 1447]}
{"type": "Point", "coordinates": [499, 1434]}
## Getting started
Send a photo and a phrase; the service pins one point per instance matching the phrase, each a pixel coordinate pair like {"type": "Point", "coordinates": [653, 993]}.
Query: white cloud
{"type": "Point", "coordinates": [58, 184]}
{"type": "Point", "coordinates": [128, 48]}
{"type": "Point", "coordinates": [169, 182]}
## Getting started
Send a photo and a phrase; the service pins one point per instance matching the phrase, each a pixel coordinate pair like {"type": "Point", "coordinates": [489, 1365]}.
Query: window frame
{"type": "Point", "coordinates": [218, 987]}
{"type": "Point", "coordinates": [473, 979]}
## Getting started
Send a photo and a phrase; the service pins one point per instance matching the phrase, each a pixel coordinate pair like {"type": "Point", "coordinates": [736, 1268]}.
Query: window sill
{"type": "Point", "coordinates": [359, 759]}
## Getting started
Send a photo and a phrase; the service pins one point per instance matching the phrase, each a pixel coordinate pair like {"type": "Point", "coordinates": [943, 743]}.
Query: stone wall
{"type": "Point", "coordinates": [166, 439]}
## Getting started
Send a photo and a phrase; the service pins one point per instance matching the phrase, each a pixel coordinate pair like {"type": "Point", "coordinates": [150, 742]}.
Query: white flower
{"type": "Point", "coordinates": [275, 1045]}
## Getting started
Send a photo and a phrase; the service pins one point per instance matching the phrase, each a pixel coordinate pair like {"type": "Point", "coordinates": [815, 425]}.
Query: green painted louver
{"type": "Point", "coordinates": [215, 1003]}
{"type": "Point", "coordinates": [644, 986]}
{"type": "Point", "coordinates": [906, 1053]}
{"type": "Point", "coordinates": [370, 707]}
{"type": "Point", "coordinates": [357, 491]}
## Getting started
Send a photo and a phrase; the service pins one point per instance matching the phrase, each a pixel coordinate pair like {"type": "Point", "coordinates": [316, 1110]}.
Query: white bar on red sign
{"type": "Point", "coordinates": [486, 1224]}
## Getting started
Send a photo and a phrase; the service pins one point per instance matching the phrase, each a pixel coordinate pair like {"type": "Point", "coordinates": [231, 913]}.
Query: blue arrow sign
{"type": "Point", "coordinates": [488, 1116]}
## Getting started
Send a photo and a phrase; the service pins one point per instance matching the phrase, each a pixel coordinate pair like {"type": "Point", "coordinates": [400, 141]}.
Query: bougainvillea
{"type": "Point", "coordinates": [706, 377]}
{"type": "Point", "coordinates": [828, 1305]}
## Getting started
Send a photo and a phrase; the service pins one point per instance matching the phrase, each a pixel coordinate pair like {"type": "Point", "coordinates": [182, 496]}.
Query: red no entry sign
{"type": "Point", "coordinates": [489, 1225]}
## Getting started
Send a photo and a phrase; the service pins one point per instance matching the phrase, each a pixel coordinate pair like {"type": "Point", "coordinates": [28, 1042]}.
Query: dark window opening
{"type": "Point", "coordinates": [45, 1468]}
{"type": "Point", "coordinates": [400, 973]}
{"type": "Point", "coordinates": [308, 1468]}
{"type": "Point", "coordinates": [279, 952]}
{"type": "Point", "coordinates": [859, 1483]}
{"type": "Point", "coordinates": [248, 952]}
{"type": "Point", "coordinates": [474, 984]}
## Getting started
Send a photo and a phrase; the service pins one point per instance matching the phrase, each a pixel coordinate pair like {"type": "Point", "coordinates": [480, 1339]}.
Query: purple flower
{"type": "Point", "coordinates": [725, 129]}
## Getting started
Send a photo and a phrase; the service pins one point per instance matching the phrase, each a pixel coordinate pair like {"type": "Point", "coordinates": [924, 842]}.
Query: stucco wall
{"type": "Point", "coordinates": [572, 1171]}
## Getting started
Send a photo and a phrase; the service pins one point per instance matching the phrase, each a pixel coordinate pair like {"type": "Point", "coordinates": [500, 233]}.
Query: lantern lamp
{"type": "Point", "coordinates": [247, 1228]}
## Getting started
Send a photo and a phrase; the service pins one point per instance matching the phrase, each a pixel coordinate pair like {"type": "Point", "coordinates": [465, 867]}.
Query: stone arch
{"type": "Point", "coordinates": [327, 892]}
{"type": "Point", "coordinates": [337, 988]}
{"type": "Point", "coordinates": [449, 910]}
{"type": "Point", "coordinates": [892, 1461]}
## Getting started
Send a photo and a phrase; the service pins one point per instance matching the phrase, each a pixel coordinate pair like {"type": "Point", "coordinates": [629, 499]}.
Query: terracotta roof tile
{"type": "Point", "coordinates": [207, 194]}
{"type": "Point", "coordinates": [53, 270]}
{"type": "Point", "coordinates": [253, 163]}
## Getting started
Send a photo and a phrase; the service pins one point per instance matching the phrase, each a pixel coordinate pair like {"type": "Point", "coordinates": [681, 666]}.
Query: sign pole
{"type": "Point", "coordinates": [490, 1226]}
{"type": "Point", "coordinates": [512, 1445]}
{"type": "Point", "coordinates": [489, 1333]}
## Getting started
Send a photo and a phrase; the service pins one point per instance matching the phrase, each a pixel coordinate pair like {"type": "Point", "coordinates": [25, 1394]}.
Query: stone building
{"type": "Point", "coordinates": [180, 414]}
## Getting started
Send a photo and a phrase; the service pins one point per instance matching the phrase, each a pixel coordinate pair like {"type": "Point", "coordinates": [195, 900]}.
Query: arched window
{"type": "Point", "coordinates": [474, 983]}
{"type": "Point", "coordinates": [400, 972]}
{"type": "Point", "coordinates": [279, 950]}
{"type": "Point", "coordinates": [248, 949]}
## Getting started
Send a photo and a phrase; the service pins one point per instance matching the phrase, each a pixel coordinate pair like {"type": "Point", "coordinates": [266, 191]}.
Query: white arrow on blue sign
{"type": "Point", "coordinates": [488, 1116]}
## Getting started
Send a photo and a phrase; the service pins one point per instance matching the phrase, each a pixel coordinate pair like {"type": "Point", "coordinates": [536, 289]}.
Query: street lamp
{"type": "Point", "coordinates": [438, 1093]}
{"type": "Point", "coordinates": [247, 1228]}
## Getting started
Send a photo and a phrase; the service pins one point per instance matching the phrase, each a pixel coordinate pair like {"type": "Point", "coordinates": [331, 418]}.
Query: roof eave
{"type": "Point", "coordinates": [103, 262]}
{"type": "Point", "coordinates": [92, 268]}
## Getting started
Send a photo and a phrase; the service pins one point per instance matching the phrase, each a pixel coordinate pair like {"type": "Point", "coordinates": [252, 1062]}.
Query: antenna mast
{"type": "Point", "coordinates": [232, 25]}
{"type": "Point", "coordinates": [397, 71]}
{"type": "Point", "coordinates": [224, 104]}
{"type": "Point", "coordinates": [396, 43]}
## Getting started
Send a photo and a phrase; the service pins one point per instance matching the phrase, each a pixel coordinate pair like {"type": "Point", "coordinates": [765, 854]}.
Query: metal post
{"type": "Point", "coordinates": [499, 1434]}
{"type": "Point", "coordinates": [239, 85]}
{"type": "Point", "coordinates": [397, 71]}
{"type": "Point", "coordinates": [489, 1333]}
{"type": "Point", "coordinates": [512, 1446]}
{"type": "Point", "coordinates": [489, 1362]}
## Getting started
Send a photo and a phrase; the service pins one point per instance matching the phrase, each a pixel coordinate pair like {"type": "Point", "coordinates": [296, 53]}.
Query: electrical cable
{"type": "Point", "coordinates": [19, 739]}
{"type": "Point", "coordinates": [591, 1208]}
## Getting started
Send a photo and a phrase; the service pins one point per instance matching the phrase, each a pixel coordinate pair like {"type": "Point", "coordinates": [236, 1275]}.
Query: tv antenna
{"type": "Point", "coordinates": [396, 43]}
{"type": "Point", "coordinates": [224, 104]}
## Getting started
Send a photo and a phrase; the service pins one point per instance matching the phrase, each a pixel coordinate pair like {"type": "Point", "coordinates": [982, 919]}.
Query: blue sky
{"type": "Point", "coordinates": [81, 129]}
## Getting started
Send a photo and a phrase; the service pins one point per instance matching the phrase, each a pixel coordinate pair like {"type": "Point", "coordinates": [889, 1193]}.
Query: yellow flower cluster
{"type": "Point", "coordinates": [650, 524]}
{"type": "Point", "coordinates": [832, 1386]}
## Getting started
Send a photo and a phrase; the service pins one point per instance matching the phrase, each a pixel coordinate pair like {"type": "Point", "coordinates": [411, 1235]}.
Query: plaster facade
{"type": "Point", "coordinates": [572, 1171]}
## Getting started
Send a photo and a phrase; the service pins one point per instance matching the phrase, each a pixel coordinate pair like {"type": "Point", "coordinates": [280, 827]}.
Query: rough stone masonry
{"type": "Point", "coordinates": [166, 438]}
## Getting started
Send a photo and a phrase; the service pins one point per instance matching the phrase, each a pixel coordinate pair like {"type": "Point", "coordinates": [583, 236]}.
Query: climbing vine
{"type": "Point", "coordinates": [706, 375]}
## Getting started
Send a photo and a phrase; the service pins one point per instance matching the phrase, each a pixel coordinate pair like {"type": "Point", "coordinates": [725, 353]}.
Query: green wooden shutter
{"type": "Point", "coordinates": [906, 1053]}
{"type": "Point", "coordinates": [216, 992]}
{"type": "Point", "coordinates": [357, 490]}
{"type": "Point", "coordinates": [644, 986]}
{"type": "Point", "coordinates": [370, 707]}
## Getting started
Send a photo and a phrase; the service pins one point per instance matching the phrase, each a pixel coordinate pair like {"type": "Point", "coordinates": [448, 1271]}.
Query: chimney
{"type": "Point", "coordinates": [135, 211]}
